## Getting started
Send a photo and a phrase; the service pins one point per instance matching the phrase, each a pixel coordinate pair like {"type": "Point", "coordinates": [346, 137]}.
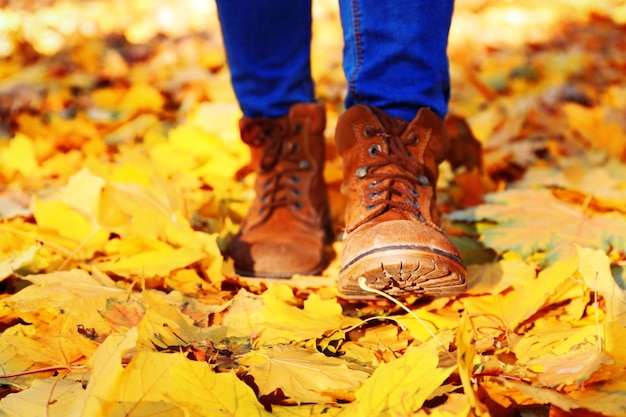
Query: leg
{"type": "Point", "coordinates": [395, 54]}
{"type": "Point", "coordinates": [392, 139]}
{"type": "Point", "coordinates": [268, 44]}
{"type": "Point", "coordinates": [268, 50]}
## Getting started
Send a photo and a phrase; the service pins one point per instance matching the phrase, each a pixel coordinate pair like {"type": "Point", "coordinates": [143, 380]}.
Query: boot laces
{"type": "Point", "coordinates": [280, 166]}
{"type": "Point", "coordinates": [397, 188]}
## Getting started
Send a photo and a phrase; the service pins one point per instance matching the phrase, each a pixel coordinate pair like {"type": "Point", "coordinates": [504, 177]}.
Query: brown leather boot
{"type": "Point", "coordinates": [285, 231]}
{"type": "Point", "coordinates": [393, 236]}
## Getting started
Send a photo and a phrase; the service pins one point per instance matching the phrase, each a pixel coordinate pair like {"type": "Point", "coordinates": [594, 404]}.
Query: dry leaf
{"type": "Point", "coordinates": [534, 220]}
{"type": "Point", "coordinates": [18, 260]}
{"type": "Point", "coordinates": [53, 397]}
{"type": "Point", "coordinates": [302, 375]}
{"type": "Point", "coordinates": [595, 268]}
{"type": "Point", "coordinates": [157, 263]}
{"type": "Point", "coordinates": [273, 318]}
{"type": "Point", "coordinates": [401, 387]}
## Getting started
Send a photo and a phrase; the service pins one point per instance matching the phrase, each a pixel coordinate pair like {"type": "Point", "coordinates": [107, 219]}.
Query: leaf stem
{"type": "Point", "coordinates": [363, 284]}
{"type": "Point", "coordinates": [46, 369]}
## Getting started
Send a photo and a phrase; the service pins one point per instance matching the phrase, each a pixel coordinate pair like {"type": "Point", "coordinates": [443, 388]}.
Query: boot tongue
{"type": "Point", "coordinates": [362, 115]}
{"type": "Point", "coordinates": [388, 124]}
{"type": "Point", "coordinates": [264, 137]}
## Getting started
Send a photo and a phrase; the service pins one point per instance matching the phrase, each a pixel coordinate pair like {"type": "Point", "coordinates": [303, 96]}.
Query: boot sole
{"type": "Point", "coordinates": [404, 270]}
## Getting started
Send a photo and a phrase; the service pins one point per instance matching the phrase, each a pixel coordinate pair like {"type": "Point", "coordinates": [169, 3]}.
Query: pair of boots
{"type": "Point", "coordinates": [392, 238]}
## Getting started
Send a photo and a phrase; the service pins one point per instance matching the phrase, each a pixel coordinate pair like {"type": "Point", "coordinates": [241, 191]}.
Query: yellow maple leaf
{"type": "Point", "coordinates": [163, 325]}
{"type": "Point", "coordinates": [153, 212]}
{"type": "Point", "coordinates": [82, 194]}
{"type": "Point", "coordinates": [17, 260]}
{"type": "Point", "coordinates": [555, 342]}
{"type": "Point", "coordinates": [599, 180]}
{"type": "Point", "coordinates": [574, 367]}
{"type": "Point", "coordinates": [75, 283]}
{"type": "Point", "coordinates": [164, 384]}
{"type": "Point", "coordinates": [513, 307]}
{"type": "Point", "coordinates": [592, 124]}
{"type": "Point", "coordinates": [19, 157]}
{"type": "Point", "coordinates": [205, 393]}
{"type": "Point", "coordinates": [436, 321]}
{"type": "Point", "coordinates": [497, 277]}
{"type": "Point", "coordinates": [302, 375]}
{"type": "Point", "coordinates": [142, 97]}
{"type": "Point", "coordinates": [59, 218]}
{"type": "Point", "coordinates": [273, 317]}
{"type": "Point", "coordinates": [106, 364]}
{"type": "Point", "coordinates": [158, 263]}
{"type": "Point", "coordinates": [49, 348]}
{"type": "Point", "coordinates": [400, 387]}
{"type": "Point", "coordinates": [595, 268]}
{"type": "Point", "coordinates": [52, 397]}
{"type": "Point", "coordinates": [535, 220]}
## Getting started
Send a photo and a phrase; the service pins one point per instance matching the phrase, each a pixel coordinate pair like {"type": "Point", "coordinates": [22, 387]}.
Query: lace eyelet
{"type": "Point", "coordinates": [423, 180]}
{"type": "Point", "coordinates": [293, 147]}
{"type": "Point", "coordinates": [374, 150]}
{"type": "Point", "coordinates": [374, 194]}
{"type": "Point", "coordinates": [296, 192]}
{"type": "Point", "coordinates": [414, 138]}
{"type": "Point", "coordinates": [297, 205]}
{"type": "Point", "coordinates": [297, 128]}
{"type": "Point", "coordinates": [294, 179]}
{"type": "Point", "coordinates": [370, 207]}
{"type": "Point", "coordinates": [372, 184]}
{"type": "Point", "coordinates": [361, 172]}
{"type": "Point", "coordinates": [414, 193]}
{"type": "Point", "coordinates": [266, 185]}
{"type": "Point", "coordinates": [369, 131]}
{"type": "Point", "coordinates": [304, 164]}
{"type": "Point", "coordinates": [414, 204]}
{"type": "Point", "coordinates": [419, 217]}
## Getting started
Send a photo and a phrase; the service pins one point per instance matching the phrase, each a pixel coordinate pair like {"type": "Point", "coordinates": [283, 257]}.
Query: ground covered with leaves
{"type": "Point", "coordinates": [123, 179]}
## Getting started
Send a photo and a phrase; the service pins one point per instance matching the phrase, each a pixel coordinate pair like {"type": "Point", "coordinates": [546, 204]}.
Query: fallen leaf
{"type": "Point", "coordinates": [16, 261]}
{"type": "Point", "coordinates": [19, 158]}
{"type": "Point", "coordinates": [302, 375]}
{"type": "Point", "coordinates": [499, 276]}
{"type": "Point", "coordinates": [534, 220]}
{"type": "Point", "coordinates": [570, 368]}
{"type": "Point", "coordinates": [273, 318]}
{"type": "Point", "coordinates": [171, 385]}
{"type": "Point", "coordinates": [164, 326]}
{"type": "Point", "coordinates": [512, 308]}
{"type": "Point", "coordinates": [595, 268]}
{"type": "Point", "coordinates": [157, 263]}
{"type": "Point", "coordinates": [53, 397]}
{"type": "Point", "coordinates": [107, 371]}
{"type": "Point", "coordinates": [466, 357]}
{"type": "Point", "coordinates": [123, 314]}
{"type": "Point", "coordinates": [400, 387]}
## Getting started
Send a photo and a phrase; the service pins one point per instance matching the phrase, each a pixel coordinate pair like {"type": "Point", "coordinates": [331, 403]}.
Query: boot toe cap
{"type": "Point", "coordinates": [401, 258]}
{"type": "Point", "coordinates": [276, 259]}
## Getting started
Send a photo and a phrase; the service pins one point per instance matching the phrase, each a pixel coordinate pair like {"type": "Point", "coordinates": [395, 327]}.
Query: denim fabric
{"type": "Point", "coordinates": [394, 56]}
{"type": "Point", "coordinates": [268, 48]}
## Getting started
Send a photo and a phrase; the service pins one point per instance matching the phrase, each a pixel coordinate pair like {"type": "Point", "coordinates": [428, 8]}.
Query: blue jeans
{"type": "Point", "coordinates": [394, 54]}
